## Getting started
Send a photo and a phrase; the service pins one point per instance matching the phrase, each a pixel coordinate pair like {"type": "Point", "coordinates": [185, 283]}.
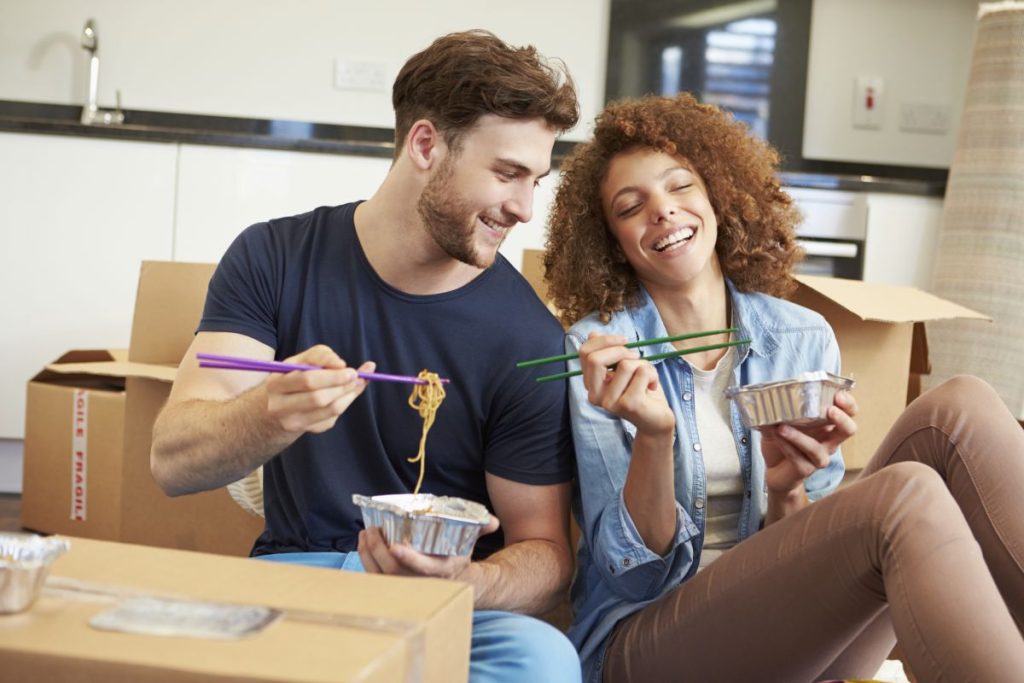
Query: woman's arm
{"type": "Point", "coordinates": [793, 455]}
{"type": "Point", "coordinates": [630, 518]}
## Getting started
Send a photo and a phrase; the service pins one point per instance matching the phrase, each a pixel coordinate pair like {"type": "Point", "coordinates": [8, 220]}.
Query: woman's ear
{"type": "Point", "coordinates": [424, 145]}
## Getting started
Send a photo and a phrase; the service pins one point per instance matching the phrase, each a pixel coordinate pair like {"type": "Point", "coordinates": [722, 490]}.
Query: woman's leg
{"type": "Point", "coordinates": [787, 603]}
{"type": "Point", "coordinates": [963, 431]}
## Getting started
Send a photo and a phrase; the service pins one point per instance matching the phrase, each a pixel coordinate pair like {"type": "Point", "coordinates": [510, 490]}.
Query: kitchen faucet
{"type": "Point", "coordinates": [91, 113]}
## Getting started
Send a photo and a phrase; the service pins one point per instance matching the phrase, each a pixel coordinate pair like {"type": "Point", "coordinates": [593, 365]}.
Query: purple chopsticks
{"type": "Point", "coordinates": [217, 362]}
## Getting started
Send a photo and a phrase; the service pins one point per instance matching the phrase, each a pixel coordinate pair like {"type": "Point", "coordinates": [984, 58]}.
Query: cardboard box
{"type": "Point", "coordinates": [337, 626]}
{"type": "Point", "coordinates": [88, 424]}
{"type": "Point", "coordinates": [881, 334]}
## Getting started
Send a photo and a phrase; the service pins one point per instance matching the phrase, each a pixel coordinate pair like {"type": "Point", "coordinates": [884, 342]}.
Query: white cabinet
{"type": "Point", "coordinates": [223, 190]}
{"type": "Point", "coordinates": [880, 237]}
{"type": "Point", "coordinates": [77, 215]}
{"type": "Point", "coordinates": [902, 236]}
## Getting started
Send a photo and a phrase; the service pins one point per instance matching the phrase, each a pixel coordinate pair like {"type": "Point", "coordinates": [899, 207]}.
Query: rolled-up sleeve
{"type": "Point", "coordinates": [603, 450]}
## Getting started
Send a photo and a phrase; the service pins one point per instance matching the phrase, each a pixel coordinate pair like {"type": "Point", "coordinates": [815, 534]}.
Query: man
{"type": "Point", "coordinates": [407, 280]}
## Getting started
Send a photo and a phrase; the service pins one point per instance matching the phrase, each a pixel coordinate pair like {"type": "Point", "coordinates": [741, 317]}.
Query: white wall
{"type": "Point", "coordinates": [11, 458]}
{"type": "Point", "coordinates": [271, 59]}
{"type": "Point", "coordinates": [922, 51]}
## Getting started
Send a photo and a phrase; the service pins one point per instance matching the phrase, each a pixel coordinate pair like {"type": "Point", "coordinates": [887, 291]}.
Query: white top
{"type": "Point", "coordinates": [721, 458]}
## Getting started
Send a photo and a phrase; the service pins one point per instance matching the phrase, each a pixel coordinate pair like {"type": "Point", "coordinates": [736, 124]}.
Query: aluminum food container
{"type": "Point", "coordinates": [25, 561]}
{"type": "Point", "coordinates": [436, 525]}
{"type": "Point", "coordinates": [803, 400]}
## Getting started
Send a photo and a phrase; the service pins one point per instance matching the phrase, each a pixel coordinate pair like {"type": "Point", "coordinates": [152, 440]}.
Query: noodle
{"type": "Point", "coordinates": [425, 399]}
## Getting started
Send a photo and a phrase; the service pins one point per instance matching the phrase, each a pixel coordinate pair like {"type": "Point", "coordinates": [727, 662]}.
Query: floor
{"type": "Point", "coordinates": [10, 512]}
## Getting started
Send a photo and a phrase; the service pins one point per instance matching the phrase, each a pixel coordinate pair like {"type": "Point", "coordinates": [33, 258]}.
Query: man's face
{"type": "Point", "coordinates": [482, 189]}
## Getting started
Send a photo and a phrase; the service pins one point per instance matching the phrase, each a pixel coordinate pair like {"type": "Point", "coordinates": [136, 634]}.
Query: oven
{"type": "Point", "coordinates": [832, 232]}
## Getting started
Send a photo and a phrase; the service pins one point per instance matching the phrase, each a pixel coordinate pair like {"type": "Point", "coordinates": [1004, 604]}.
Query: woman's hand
{"type": "Point", "coordinates": [630, 391]}
{"type": "Point", "coordinates": [791, 454]}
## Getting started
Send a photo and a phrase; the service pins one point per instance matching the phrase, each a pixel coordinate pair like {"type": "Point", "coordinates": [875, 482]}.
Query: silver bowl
{"type": "Point", "coordinates": [25, 561]}
{"type": "Point", "coordinates": [435, 525]}
{"type": "Point", "coordinates": [803, 400]}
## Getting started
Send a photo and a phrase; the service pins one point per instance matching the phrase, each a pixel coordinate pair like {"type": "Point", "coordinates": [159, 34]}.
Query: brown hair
{"type": "Point", "coordinates": [584, 266]}
{"type": "Point", "coordinates": [463, 76]}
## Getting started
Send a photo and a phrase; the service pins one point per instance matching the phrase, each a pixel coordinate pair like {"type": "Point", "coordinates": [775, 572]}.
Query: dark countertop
{"type": "Point", "coordinates": [299, 136]}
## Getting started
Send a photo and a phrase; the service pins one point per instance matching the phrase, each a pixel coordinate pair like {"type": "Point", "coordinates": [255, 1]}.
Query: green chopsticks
{"type": "Point", "coordinates": [632, 345]}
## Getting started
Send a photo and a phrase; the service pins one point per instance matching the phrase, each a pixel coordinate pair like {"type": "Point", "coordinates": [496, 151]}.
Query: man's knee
{"type": "Point", "coordinates": [513, 647]}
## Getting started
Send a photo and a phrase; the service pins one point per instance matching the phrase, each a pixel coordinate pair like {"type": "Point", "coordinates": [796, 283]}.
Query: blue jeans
{"type": "Point", "coordinates": [506, 647]}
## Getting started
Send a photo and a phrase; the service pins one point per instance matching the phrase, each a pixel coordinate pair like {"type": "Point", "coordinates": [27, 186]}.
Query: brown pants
{"type": "Point", "coordinates": [927, 545]}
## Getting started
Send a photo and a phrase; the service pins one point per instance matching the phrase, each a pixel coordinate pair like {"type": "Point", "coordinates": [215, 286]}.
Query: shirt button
{"type": "Point", "coordinates": [699, 503]}
{"type": "Point", "coordinates": [626, 562]}
{"type": "Point", "coordinates": [687, 396]}
{"type": "Point", "coordinates": [743, 440]}
{"type": "Point", "coordinates": [696, 447]}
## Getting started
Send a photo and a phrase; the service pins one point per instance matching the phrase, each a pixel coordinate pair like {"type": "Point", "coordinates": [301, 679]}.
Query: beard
{"type": "Point", "coordinates": [449, 219]}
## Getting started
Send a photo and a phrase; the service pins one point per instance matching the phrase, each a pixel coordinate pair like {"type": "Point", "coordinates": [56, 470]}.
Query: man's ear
{"type": "Point", "coordinates": [424, 145]}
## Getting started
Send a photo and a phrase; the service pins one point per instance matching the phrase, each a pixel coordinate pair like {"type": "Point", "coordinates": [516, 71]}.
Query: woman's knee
{"type": "Point", "coordinates": [965, 393]}
{"type": "Point", "coordinates": [911, 485]}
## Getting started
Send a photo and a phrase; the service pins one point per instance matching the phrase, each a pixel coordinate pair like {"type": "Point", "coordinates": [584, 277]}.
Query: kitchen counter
{"type": "Point", "coordinates": [150, 126]}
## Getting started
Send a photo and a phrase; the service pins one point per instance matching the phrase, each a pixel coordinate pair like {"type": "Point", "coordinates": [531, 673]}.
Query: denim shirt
{"type": "Point", "coordinates": [616, 573]}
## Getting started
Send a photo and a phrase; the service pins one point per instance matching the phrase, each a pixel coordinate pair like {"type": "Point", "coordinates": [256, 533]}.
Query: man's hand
{"type": "Point", "coordinates": [791, 454]}
{"type": "Point", "coordinates": [312, 400]}
{"type": "Point", "coordinates": [401, 560]}
{"type": "Point", "coordinates": [219, 425]}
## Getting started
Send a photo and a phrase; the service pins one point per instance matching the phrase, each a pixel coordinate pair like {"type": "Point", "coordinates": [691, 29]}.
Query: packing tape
{"type": "Point", "coordinates": [410, 631]}
{"type": "Point", "coordinates": [79, 454]}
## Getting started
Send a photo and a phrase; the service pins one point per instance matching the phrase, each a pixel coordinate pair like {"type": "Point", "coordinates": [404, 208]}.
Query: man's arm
{"type": "Point", "coordinates": [532, 572]}
{"type": "Point", "coordinates": [529, 575]}
{"type": "Point", "coordinates": [219, 425]}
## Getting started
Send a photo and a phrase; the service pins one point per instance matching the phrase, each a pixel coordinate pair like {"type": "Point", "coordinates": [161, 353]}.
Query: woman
{"type": "Point", "coordinates": [671, 221]}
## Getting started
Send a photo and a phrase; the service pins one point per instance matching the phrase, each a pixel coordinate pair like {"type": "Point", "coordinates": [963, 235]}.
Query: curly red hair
{"type": "Point", "coordinates": [584, 267]}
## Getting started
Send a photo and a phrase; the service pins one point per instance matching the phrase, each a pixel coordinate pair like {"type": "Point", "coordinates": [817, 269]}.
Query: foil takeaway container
{"type": "Point", "coordinates": [803, 400]}
{"type": "Point", "coordinates": [436, 525]}
{"type": "Point", "coordinates": [25, 561]}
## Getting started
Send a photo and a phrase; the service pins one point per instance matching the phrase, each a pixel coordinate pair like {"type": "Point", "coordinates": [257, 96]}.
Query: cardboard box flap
{"type": "Point", "coordinates": [113, 368]}
{"type": "Point", "coordinates": [887, 303]}
{"type": "Point", "coordinates": [167, 310]}
{"type": "Point", "coordinates": [92, 367]}
{"type": "Point", "coordinates": [93, 356]}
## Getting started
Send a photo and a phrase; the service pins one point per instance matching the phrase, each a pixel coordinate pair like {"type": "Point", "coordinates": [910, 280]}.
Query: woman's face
{"type": "Point", "coordinates": [658, 210]}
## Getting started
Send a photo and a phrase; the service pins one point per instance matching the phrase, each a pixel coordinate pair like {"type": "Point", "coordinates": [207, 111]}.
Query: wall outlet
{"type": "Point", "coordinates": [921, 117]}
{"type": "Point", "coordinates": [359, 74]}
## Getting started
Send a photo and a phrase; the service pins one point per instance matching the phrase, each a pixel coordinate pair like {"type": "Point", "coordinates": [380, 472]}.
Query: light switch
{"type": "Point", "coordinates": [868, 98]}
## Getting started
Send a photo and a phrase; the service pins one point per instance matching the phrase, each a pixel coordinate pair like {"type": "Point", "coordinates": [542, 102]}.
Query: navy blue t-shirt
{"type": "Point", "coordinates": [295, 282]}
